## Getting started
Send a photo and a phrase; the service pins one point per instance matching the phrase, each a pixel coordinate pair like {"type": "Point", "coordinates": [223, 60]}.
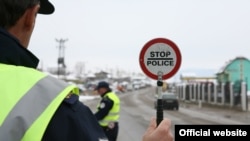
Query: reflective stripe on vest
{"type": "Point", "coordinates": [113, 115]}
{"type": "Point", "coordinates": [27, 114]}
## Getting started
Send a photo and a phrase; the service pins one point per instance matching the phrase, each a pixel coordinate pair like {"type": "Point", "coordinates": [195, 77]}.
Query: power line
{"type": "Point", "coordinates": [61, 66]}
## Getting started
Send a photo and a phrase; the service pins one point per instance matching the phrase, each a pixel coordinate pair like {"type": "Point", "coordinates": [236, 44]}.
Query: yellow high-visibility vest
{"type": "Point", "coordinates": [113, 115]}
{"type": "Point", "coordinates": [28, 100]}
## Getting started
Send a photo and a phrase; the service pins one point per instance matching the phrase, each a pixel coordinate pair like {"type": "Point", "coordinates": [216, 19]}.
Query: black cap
{"type": "Point", "coordinates": [46, 7]}
{"type": "Point", "coordinates": [102, 84]}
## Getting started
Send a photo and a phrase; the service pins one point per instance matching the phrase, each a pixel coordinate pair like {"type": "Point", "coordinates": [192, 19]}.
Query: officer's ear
{"type": "Point", "coordinates": [30, 16]}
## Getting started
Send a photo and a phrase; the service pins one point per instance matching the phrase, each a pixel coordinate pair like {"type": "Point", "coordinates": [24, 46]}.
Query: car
{"type": "Point", "coordinates": [169, 101]}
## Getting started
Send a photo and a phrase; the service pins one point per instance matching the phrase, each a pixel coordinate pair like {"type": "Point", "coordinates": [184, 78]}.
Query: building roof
{"type": "Point", "coordinates": [222, 69]}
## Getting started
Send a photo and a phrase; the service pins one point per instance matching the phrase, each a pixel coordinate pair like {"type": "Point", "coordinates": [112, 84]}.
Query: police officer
{"type": "Point", "coordinates": [108, 110]}
{"type": "Point", "coordinates": [33, 105]}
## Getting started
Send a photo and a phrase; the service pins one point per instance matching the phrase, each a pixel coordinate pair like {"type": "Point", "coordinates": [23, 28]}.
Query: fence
{"type": "Point", "coordinates": [223, 94]}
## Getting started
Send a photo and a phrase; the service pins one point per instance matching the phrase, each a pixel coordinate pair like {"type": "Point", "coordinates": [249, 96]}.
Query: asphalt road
{"type": "Point", "coordinates": [137, 108]}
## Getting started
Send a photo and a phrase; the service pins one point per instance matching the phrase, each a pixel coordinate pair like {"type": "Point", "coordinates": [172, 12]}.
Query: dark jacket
{"type": "Point", "coordinates": [73, 121]}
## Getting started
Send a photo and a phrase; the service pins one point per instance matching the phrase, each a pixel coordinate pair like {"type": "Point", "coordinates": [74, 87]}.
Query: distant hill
{"type": "Point", "coordinates": [200, 72]}
{"type": "Point", "coordinates": [193, 72]}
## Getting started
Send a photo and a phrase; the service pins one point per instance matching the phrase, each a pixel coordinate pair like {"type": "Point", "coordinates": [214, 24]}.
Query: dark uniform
{"type": "Point", "coordinates": [105, 106]}
{"type": "Point", "coordinates": [73, 121]}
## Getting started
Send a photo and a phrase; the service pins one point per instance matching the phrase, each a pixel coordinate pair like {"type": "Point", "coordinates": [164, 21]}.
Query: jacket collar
{"type": "Point", "coordinates": [13, 53]}
{"type": "Point", "coordinates": [106, 93]}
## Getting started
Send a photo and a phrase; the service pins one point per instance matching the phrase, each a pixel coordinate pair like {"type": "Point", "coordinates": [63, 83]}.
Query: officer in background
{"type": "Point", "coordinates": [108, 110]}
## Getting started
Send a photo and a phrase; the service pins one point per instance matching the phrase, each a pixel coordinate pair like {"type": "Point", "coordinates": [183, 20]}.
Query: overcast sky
{"type": "Point", "coordinates": [109, 34]}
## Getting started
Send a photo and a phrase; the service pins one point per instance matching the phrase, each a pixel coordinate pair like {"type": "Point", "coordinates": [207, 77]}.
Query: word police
{"type": "Point", "coordinates": [160, 58]}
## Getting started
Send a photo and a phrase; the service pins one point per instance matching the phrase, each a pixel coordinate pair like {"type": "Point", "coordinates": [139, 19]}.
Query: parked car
{"type": "Point", "coordinates": [169, 101]}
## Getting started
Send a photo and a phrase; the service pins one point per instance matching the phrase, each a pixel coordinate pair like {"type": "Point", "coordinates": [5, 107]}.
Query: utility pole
{"type": "Point", "coordinates": [60, 60]}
